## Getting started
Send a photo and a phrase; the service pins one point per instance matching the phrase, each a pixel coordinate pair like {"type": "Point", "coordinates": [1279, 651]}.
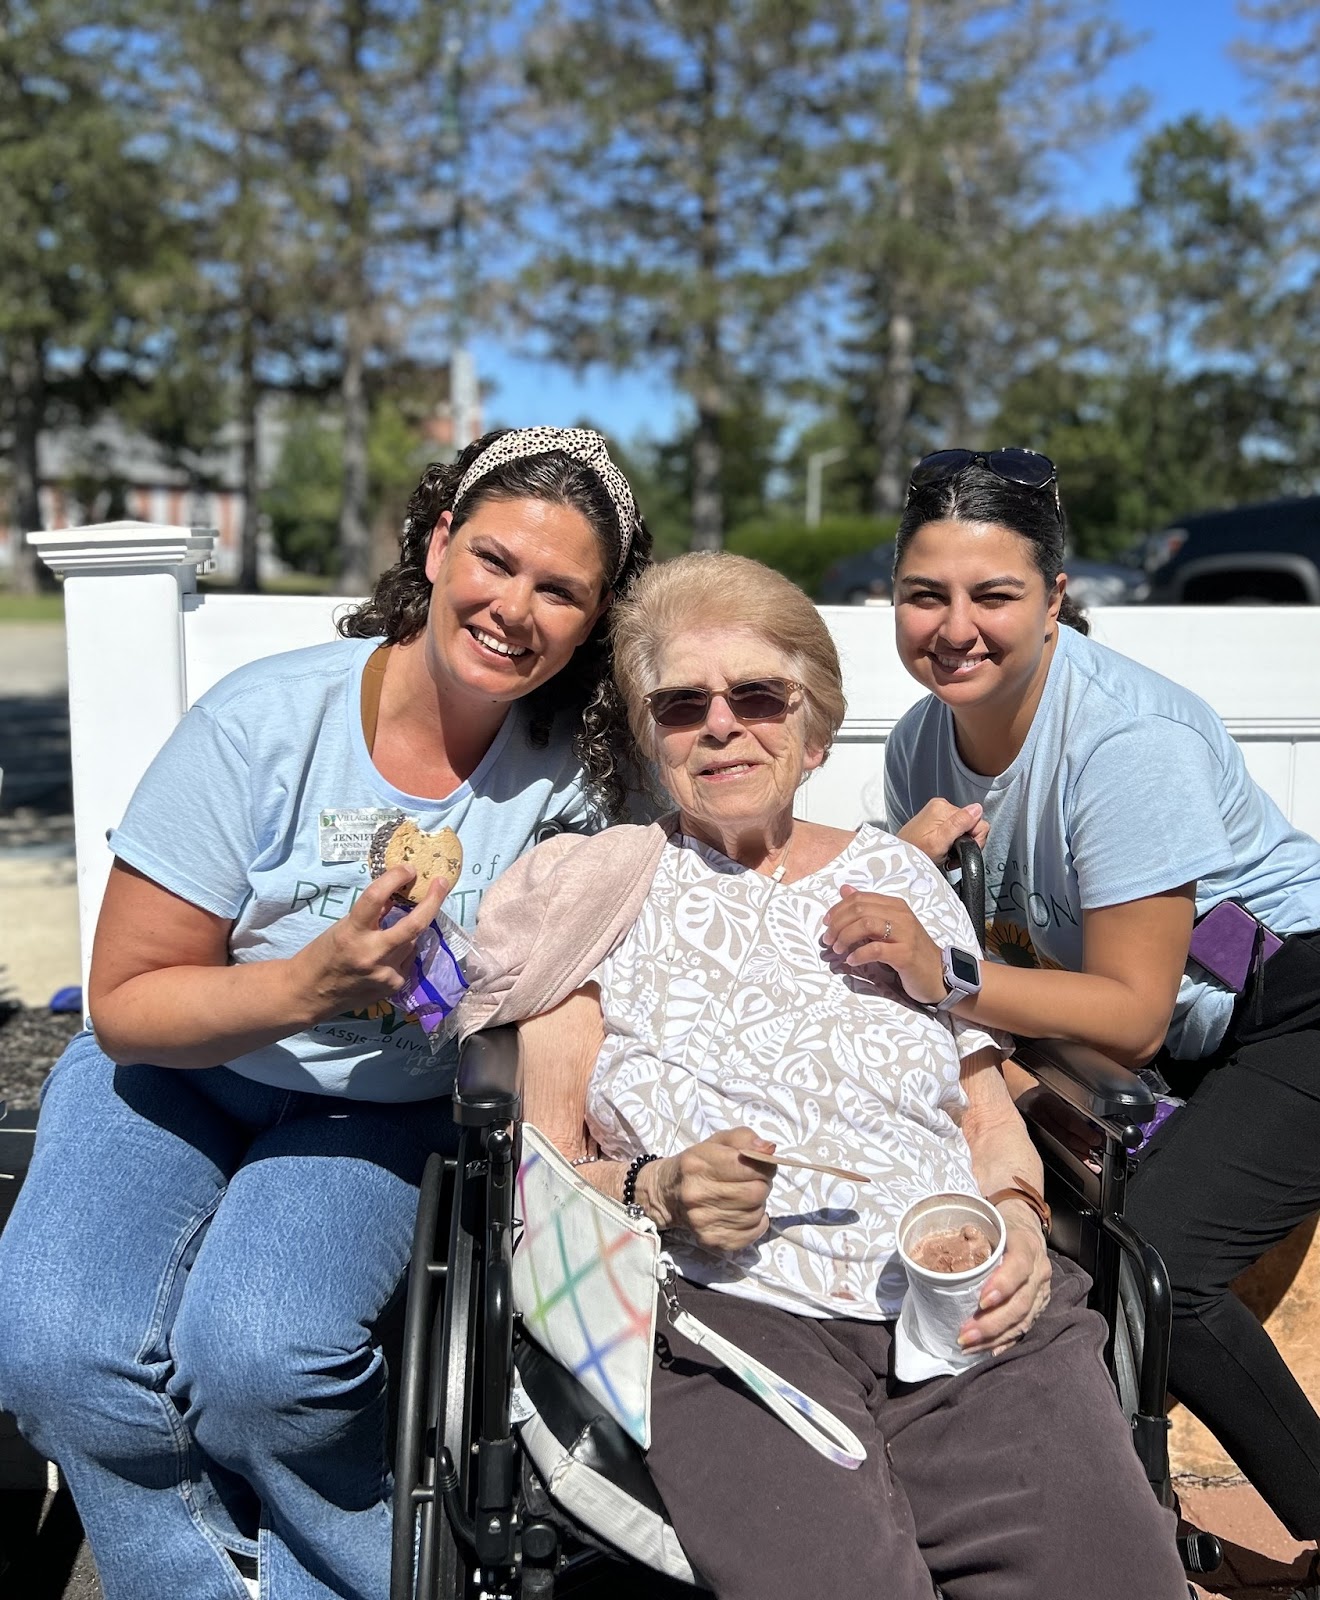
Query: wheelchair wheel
{"type": "Point", "coordinates": [1198, 1551]}
{"type": "Point", "coordinates": [443, 1571]}
{"type": "Point", "coordinates": [414, 1465]}
{"type": "Point", "coordinates": [1129, 1339]}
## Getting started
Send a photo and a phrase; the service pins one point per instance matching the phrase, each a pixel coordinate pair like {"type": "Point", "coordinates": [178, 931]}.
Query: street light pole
{"type": "Point", "coordinates": [817, 461]}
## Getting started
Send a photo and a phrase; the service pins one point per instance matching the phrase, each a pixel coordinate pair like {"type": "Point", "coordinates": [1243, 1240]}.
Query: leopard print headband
{"type": "Point", "coordinates": [584, 445]}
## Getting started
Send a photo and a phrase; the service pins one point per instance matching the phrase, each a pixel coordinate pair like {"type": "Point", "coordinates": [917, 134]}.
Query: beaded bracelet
{"type": "Point", "coordinates": [630, 1178]}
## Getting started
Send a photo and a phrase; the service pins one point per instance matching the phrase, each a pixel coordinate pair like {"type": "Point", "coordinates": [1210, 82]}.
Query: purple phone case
{"type": "Point", "coordinates": [1224, 940]}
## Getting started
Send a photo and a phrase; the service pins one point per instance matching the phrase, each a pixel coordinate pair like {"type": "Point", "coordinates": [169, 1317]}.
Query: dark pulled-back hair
{"type": "Point", "coordinates": [978, 495]}
{"type": "Point", "coordinates": [583, 691]}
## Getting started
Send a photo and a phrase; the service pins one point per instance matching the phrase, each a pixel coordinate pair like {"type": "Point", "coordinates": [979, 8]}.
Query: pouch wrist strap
{"type": "Point", "coordinates": [811, 1421]}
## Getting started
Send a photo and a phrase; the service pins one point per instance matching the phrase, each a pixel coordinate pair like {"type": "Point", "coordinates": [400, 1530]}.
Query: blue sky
{"type": "Point", "coordinates": [1183, 65]}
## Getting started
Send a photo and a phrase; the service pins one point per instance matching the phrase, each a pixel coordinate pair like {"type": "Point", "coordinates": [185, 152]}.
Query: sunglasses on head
{"type": "Point", "coordinates": [753, 700]}
{"type": "Point", "coordinates": [1026, 468]}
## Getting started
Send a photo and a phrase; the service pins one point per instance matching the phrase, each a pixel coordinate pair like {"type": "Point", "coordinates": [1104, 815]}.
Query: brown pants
{"type": "Point", "coordinates": [1015, 1480]}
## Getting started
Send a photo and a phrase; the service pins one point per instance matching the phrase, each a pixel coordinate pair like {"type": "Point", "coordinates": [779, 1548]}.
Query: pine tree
{"type": "Point", "coordinates": [248, 319]}
{"type": "Point", "coordinates": [1281, 52]}
{"type": "Point", "coordinates": [672, 142]}
{"type": "Point", "coordinates": [945, 237]}
{"type": "Point", "coordinates": [371, 113]}
{"type": "Point", "coordinates": [86, 245]}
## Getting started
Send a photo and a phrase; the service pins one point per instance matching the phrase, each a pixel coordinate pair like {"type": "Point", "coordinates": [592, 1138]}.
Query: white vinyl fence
{"type": "Point", "coordinates": [143, 645]}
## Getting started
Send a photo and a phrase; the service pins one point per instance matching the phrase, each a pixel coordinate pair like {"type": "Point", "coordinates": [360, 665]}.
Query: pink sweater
{"type": "Point", "coordinates": [547, 923]}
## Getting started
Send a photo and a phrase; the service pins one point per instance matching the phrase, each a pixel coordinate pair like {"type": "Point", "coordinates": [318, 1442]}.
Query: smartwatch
{"type": "Point", "coordinates": [962, 976]}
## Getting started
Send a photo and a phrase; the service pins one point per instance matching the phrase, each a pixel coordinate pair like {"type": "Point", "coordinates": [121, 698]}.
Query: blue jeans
{"type": "Point", "coordinates": [193, 1273]}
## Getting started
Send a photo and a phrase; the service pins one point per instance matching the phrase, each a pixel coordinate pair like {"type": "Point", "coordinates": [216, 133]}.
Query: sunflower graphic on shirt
{"type": "Point", "coordinates": [1010, 943]}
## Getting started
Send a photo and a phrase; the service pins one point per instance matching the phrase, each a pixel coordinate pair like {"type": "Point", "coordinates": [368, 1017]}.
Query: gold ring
{"type": "Point", "coordinates": [888, 933]}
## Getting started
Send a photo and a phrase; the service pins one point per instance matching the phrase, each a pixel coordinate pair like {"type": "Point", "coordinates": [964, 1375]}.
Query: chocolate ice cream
{"type": "Point", "coordinates": [952, 1249]}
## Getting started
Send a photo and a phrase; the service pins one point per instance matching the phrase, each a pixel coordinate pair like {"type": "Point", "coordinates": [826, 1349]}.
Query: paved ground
{"type": "Point", "coordinates": [38, 891]}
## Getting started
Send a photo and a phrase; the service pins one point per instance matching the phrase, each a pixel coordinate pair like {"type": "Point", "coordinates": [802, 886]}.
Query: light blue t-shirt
{"type": "Point", "coordinates": [1128, 785]}
{"type": "Point", "coordinates": [232, 816]}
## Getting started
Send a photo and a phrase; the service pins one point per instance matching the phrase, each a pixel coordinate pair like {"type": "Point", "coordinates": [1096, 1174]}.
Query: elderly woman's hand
{"type": "Point", "coordinates": [1017, 1291]}
{"type": "Point", "coordinates": [869, 928]}
{"type": "Point", "coordinates": [717, 1189]}
{"type": "Point", "coordinates": [938, 826]}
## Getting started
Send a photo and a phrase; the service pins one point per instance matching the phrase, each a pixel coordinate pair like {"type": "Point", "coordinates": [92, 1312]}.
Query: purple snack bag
{"type": "Point", "coordinates": [1165, 1106]}
{"type": "Point", "coordinates": [436, 981]}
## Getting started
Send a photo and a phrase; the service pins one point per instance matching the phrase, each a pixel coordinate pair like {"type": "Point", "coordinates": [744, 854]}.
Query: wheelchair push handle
{"type": "Point", "coordinates": [971, 888]}
{"type": "Point", "coordinates": [487, 1092]}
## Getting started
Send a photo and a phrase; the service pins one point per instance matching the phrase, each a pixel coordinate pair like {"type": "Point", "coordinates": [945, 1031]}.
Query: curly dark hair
{"type": "Point", "coordinates": [584, 690]}
{"type": "Point", "coordinates": [977, 495]}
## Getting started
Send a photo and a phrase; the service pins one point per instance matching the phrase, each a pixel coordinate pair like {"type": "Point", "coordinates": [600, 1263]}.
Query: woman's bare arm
{"type": "Point", "coordinates": [1120, 1003]}
{"type": "Point", "coordinates": [1002, 1152]}
{"type": "Point", "coordinates": [557, 1052]}
{"type": "Point", "coordinates": [716, 1189]}
{"type": "Point", "coordinates": [996, 1135]}
{"type": "Point", "coordinates": [163, 990]}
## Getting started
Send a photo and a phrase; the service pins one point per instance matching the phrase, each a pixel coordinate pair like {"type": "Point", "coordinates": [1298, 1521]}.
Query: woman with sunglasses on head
{"type": "Point", "coordinates": [1119, 812]}
{"type": "Point", "coordinates": [220, 1207]}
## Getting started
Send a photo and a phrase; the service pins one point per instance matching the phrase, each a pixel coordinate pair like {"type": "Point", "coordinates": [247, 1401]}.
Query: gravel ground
{"type": "Point", "coordinates": [31, 1041]}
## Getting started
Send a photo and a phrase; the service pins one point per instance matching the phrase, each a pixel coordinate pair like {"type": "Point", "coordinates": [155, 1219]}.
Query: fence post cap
{"type": "Point", "coordinates": [125, 547]}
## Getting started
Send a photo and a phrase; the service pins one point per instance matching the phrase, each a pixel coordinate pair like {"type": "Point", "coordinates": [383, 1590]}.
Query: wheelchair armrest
{"type": "Point", "coordinates": [1095, 1085]}
{"type": "Point", "coordinates": [488, 1089]}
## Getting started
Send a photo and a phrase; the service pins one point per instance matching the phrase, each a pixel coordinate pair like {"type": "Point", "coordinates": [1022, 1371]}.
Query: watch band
{"type": "Point", "coordinates": [1020, 1189]}
{"type": "Point", "coordinates": [959, 988]}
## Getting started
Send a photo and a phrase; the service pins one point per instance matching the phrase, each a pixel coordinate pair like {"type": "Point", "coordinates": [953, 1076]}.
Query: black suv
{"type": "Point", "coordinates": [1264, 555]}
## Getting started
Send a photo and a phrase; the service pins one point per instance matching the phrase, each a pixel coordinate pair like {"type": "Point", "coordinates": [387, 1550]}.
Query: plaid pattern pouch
{"type": "Point", "coordinates": [587, 1274]}
{"type": "Point", "coordinates": [585, 1278]}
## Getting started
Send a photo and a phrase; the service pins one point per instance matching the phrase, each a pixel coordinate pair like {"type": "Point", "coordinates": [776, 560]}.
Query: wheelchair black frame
{"type": "Point", "coordinates": [457, 1489]}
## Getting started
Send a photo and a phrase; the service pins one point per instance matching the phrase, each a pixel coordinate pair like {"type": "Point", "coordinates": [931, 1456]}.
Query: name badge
{"type": "Point", "coordinates": [346, 835]}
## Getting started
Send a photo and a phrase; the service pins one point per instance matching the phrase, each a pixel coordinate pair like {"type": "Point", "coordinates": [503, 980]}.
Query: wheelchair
{"type": "Point", "coordinates": [513, 1483]}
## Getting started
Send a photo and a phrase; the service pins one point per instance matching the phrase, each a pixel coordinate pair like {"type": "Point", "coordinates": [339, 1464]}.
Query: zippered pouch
{"type": "Point", "coordinates": [587, 1275]}
{"type": "Point", "coordinates": [1231, 944]}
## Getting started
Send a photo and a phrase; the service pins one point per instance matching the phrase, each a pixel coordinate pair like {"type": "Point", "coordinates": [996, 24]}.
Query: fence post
{"type": "Point", "coordinates": [124, 584]}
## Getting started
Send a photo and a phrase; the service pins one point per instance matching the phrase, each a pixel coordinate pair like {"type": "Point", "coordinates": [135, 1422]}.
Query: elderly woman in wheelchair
{"type": "Point", "coordinates": [696, 1050]}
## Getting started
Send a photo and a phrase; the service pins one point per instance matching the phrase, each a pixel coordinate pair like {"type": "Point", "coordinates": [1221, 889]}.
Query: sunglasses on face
{"type": "Point", "coordinates": [753, 700]}
{"type": "Point", "coordinates": [1026, 468]}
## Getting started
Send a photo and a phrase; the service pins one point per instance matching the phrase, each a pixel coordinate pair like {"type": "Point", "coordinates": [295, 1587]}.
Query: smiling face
{"type": "Point", "coordinates": [514, 592]}
{"type": "Point", "coordinates": [975, 621]}
{"type": "Point", "coordinates": [730, 778]}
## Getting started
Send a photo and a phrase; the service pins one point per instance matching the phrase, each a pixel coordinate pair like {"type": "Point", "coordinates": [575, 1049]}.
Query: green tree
{"type": "Point", "coordinates": [250, 319]}
{"type": "Point", "coordinates": [956, 119]}
{"type": "Point", "coordinates": [372, 112]}
{"type": "Point", "coordinates": [1281, 52]}
{"type": "Point", "coordinates": [87, 248]}
{"type": "Point", "coordinates": [672, 145]}
{"type": "Point", "coordinates": [1139, 447]}
{"type": "Point", "coordinates": [1160, 404]}
{"type": "Point", "coordinates": [302, 499]}
{"type": "Point", "coordinates": [748, 438]}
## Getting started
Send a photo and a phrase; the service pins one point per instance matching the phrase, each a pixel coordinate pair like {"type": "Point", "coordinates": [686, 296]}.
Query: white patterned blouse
{"type": "Point", "coordinates": [723, 1009]}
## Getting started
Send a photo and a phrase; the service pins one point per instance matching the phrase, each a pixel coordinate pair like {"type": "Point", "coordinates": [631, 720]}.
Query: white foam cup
{"type": "Point", "coordinates": [942, 1301]}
